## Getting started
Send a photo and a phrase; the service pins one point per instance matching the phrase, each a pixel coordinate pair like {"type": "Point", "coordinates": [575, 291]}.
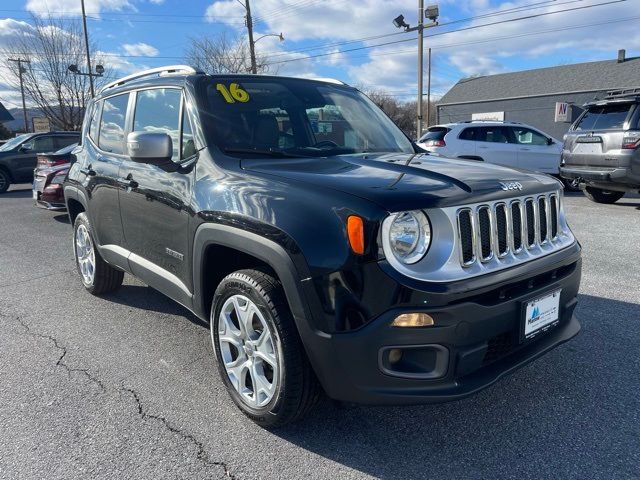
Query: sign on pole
{"type": "Point", "coordinates": [41, 124]}
{"type": "Point", "coordinates": [563, 112]}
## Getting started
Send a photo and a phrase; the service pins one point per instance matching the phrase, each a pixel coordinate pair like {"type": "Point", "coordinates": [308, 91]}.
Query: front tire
{"type": "Point", "coordinates": [602, 196]}
{"type": "Point", "coordinates": [260, 355]}
{"type": "Point", "coordinates": [97, 275]}
{"type": "Point", "coordinates": [5, 181]}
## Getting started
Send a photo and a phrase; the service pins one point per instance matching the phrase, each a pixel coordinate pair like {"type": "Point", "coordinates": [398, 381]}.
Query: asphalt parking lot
{"type": "Point", "coordinates": [125, 386]}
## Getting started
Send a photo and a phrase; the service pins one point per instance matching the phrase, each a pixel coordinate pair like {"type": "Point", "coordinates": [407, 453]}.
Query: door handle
{"type": "Point", "coordinates": [128, 181]}
{"type": "Point", "coordinates": [89, 171]}
{"type": "Point", "coordinates": [525, 149]}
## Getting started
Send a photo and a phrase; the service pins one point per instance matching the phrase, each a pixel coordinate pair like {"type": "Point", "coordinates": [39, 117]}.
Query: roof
{"type": "Point", "coordinates": [5, 116]}
{"type": "Point", "coordinates": [580, 77]}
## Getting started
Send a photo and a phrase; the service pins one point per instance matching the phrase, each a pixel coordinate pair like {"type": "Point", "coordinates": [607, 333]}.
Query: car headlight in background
{"type": "Point", "coordinates": [409, 236]}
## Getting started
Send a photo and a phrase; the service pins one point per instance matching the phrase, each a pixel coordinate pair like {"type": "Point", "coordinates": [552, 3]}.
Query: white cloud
{"type": "Point", "coordinates": [156, 2]}
{"type": "Point", "coordinates": [140, 49]}
{"type": "Point", "coordinates": [41, 8]}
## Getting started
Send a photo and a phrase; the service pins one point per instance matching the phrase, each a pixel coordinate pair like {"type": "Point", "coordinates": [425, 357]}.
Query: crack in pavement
{"type": "Point", "coordinates": [201, 455]}
{"type": "Point", "coordinates": [59, 272]}
{"type": "Point", "coordinates": [63, 349]}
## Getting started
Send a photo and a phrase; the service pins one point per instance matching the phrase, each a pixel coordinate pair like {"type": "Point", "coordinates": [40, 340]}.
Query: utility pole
{"type": "Point", "coordinates": [21, 70]}
{"type": "Point", "coordinates": [252, 45]}
{"type": "Point", "coordinates": [432, 13]}
{"type": "Point", "coordinates": [420, 61]}
{"type": "Point", "coordinates": [86, 44]}
{"type": "Point", "coordinates": [429, 88]}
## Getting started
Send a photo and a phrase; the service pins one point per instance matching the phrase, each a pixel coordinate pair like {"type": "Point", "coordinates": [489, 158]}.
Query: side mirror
{"type": "Point", "coordinates": [550, 141]}
{"type": "Point", "coordinates": [26, 147]}
{"type": "Point", "coordinates": [147, 147]}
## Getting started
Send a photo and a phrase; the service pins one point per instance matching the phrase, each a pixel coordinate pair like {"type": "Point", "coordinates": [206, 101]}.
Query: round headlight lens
{"type": "Point", "coordinates": [409, 236]}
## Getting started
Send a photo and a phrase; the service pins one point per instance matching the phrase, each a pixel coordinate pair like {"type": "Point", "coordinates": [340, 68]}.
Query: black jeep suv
{"type": "Point", "coordinates": [327, 254]}
{"type": "Point", "coordinates": [601, 151]}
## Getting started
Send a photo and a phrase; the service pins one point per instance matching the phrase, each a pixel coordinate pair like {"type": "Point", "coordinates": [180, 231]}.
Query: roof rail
{"type": "Point", "coordinates": [626, 92]}
{"type": "Point", "coordinates": [329, 80]}
{"type": "Point", "coordinates": [168, 70]}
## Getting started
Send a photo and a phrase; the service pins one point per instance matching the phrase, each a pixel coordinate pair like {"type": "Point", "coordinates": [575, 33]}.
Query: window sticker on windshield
{"type": "Point", "coordinates": [235, 93]}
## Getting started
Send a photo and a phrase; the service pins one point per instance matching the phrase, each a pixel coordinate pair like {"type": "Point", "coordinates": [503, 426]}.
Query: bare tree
{"type": "Point", "coordinates": [50, 46]}
{"type": "Point", "coordinates": [402, 113]}
{"type": "Point", "coordinates": [223, 54]}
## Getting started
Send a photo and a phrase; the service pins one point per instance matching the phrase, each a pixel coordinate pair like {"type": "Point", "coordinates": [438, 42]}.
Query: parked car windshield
{"type": "Point", "coordinates": [297, 117]}
{"type": "Point", "coordinates": [14, 142]}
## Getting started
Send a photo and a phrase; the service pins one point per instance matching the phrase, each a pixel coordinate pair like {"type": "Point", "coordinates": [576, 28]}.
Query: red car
{"type": "Point", "coordinates": [48, 177]}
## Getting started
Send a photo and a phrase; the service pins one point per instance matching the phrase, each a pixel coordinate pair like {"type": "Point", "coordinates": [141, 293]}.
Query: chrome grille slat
{"type": "Point", "coordinates": [505, 229]}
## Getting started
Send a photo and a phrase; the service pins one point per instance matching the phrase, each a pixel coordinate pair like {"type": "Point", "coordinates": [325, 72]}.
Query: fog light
{"type": "Point", "coordinates": [395, 354]}
{"type": "Point", "coordinates": [413, 320]}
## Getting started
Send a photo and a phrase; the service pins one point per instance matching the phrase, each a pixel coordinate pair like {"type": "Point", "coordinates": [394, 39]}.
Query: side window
{"type": "Point", "coordinates": [158, 110]}
{"type": "Point", "coordinates": [65, 140]}
{"type": "Point", "coordinates": [188, 145]}
{"type": "Point", "coordinates": [112, 124]}
{"type": "Point", "coordinates": [43, 144]}
{"type": "Point", "coordinates": [94, 126]}
{"type": "Point", "coordinates": [468, 134]}
{"type": "Point", "coordinates": [526, 136]}
{"type": "Point", "coordinates": [493, 135]}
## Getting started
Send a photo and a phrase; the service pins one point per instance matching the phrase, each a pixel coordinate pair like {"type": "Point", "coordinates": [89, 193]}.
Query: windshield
{"type": "Point", "coordinates": [288, 117]}
{"type": "Point", "coordinates": [14, 142]}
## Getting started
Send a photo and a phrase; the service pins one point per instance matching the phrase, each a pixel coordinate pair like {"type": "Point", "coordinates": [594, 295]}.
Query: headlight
{"type": "Point", "coordinates": [409, 236]}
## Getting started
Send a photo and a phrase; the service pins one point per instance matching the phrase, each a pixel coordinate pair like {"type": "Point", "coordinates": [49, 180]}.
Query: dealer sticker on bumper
{"type": "Point", "coordinates": [541, 313]}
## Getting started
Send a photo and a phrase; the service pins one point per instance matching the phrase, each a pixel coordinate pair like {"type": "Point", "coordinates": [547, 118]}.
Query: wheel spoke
{"type": "Point", "coordinates": [236, 370]}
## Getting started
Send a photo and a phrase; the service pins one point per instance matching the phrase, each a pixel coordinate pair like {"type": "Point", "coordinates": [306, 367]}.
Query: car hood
{"type": "Point", "coordinates": [401, 181]}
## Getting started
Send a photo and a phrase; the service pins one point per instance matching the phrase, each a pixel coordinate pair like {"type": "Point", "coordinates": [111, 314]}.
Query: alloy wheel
{"type": "Point", "coordinates": [85, 254]}
{"type": "Point", "coordinates": [248, 351]}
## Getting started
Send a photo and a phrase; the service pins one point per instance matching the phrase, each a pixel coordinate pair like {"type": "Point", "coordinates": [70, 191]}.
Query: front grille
{"type": "Point", "coordinates": [495, 230]}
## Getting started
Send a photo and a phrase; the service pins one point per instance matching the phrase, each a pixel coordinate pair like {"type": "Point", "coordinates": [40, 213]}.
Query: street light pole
{"type": "Point", "coordinates": [21, 70]}
{"type": "Point", "coordinates": [86, 44]}
{"type": "Point", "coordinates": [429, 88]}
{"type": "Point", "coordinates": [420, 62]}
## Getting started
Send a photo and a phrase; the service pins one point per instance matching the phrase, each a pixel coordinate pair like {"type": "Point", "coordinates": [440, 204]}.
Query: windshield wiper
{"type": "Point", "coordinates": [272, 152]}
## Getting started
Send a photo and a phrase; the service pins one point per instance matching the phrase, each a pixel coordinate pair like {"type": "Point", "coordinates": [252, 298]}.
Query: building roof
{"type": "Point", "coordinates": [580, 77]}
{"type": "Point", "coordinates": [5, 116]}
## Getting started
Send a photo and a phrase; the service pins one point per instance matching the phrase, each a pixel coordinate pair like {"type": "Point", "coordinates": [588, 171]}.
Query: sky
{"type": "Point", "coordinates": [350, 40]}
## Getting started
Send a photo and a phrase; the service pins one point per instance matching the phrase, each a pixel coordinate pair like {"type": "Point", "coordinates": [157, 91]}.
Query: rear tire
{"type": "Point", "coordinates": [602, 196]}
{"type": "Point", "coordinates": [97, 275]}
{"type": "Point", "coordinates": [5, 181]}
{"type": "Point", "coordinates": [255, 337]}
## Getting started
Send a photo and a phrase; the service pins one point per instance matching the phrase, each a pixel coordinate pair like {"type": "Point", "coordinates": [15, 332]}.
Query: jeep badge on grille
{"type": "Point", "coordinates": [506, 186]}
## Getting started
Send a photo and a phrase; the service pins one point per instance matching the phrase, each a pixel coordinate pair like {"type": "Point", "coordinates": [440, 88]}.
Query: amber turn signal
{"type": "Point", "coordinates": [355, 230]}
{"type": "Point", "coordinates": [413, 320]}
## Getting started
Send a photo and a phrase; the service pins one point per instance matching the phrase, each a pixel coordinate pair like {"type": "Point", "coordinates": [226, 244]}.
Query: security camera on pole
{"type": "Point", "coordinates": [432, 13]}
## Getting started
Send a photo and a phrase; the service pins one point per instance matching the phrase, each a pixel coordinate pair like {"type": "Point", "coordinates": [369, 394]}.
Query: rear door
{"type": "Point", "coordinates": [496, 145]}
{"type": "Point", "coordinates": [596, 138]}
{"type": "Point", "coordinates": [536, 151]}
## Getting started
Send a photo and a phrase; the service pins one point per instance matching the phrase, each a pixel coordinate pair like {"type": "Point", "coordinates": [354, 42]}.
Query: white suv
{"type": "Point", "coordinates": [505, 143]}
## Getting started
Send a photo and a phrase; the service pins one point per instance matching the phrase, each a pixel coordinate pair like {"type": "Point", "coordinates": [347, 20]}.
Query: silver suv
{"type": "Point", "coordinates": [601, 151]}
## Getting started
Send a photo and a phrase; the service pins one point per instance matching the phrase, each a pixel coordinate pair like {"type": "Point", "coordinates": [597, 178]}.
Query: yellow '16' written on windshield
{"type": "Point", "coordinates": [234, 93]}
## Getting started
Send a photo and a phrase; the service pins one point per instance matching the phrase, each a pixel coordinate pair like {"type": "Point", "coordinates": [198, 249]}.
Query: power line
{"type": "Point", "coordinates": [527, 17]}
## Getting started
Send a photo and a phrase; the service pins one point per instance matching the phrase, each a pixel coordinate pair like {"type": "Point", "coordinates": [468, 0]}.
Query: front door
{"type": "Point", "coordinates": [535, 152]}
{"type": "Point", "coordinates": [155, 201]}
{"type": "Point", "coordinates": [24, 161]}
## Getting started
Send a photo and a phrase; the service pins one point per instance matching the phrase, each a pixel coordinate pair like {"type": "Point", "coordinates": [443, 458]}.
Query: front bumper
{"type": "Point", "coordinates": [476, 340]}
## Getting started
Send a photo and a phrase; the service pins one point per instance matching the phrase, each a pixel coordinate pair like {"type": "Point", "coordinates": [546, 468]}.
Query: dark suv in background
{"type": "Point", "coordinates": [18, 157]}
{"type": "Point", "coordinates": [602, 149]}
{"type": "Point", "coordinates": [325, 251]}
